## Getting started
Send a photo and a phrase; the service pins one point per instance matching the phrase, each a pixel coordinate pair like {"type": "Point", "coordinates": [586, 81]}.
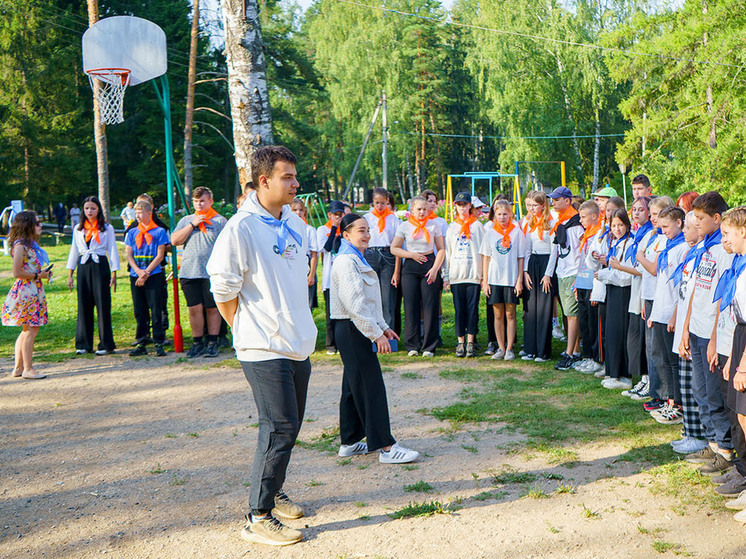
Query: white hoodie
{"type": "Point", "coordinates": [273, 320]}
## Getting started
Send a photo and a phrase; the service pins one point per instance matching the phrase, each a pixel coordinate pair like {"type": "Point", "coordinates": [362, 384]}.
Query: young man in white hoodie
{"type": "Point", "coordinates": [258, 272]}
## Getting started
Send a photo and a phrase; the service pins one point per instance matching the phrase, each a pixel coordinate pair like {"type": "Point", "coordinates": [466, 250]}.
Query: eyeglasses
{"type": "Point", "coordinates": [38, 223]}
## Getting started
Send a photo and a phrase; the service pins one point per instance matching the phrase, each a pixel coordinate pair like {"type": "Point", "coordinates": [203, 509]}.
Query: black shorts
{"type": "Point", "coordinates": [197, 292]}
{"type": "Point", "coordinates": [500, 294]}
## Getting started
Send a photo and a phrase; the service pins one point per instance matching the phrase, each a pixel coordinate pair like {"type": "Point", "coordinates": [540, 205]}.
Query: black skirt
{"type": "Point", "coordinates": [737, 400]}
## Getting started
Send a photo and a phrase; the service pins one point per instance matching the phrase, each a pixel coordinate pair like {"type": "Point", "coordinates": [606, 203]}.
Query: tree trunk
{"type": "Point", "coordinates": [568, 111]}
{"type": "Point", "coordinates": [247, 82]}
{"type": "Point", "coordinates": [189, 118]}
{"type": "Point", "coordinates": [596, 150]}
{"type": "Point", "coordinates": [99, 132]}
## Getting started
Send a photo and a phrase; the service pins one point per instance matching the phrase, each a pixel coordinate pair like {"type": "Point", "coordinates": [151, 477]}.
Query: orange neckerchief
{"type": "Point", "coordinates": [91, 230]}
{"type": "Point", "coordinates": [419, 226]}
{"type": "Point", "coordinates": [143, 233]}
{"type": "Point", "coordinates": [209, 214]}
{"type": "Point", "coordinates": [381, 218]}
{"type": "Point", "coordinates": [329, 225]}
{"type": "Point", "coordinates": [465, 226]}
{"type": "Point", "coordinates": [588, 233]}
{"type": "Point", "coordinates": [432, 215]}
{"type": "Point", "coordinates": [563, 216]}
{"type": "Point", "coordinates": [504, 232]}
{"type": "Point", "coordinates": [536, 222]}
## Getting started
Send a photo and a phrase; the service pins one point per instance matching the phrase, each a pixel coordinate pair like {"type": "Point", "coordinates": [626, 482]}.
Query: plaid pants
{"type": "Point", "coordinates": [692, 426]}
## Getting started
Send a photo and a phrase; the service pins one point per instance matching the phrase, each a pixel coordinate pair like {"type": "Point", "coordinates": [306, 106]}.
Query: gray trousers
{"type": "Point", "coordinates": [280, 387]}
{"type": "Point", "coordinates": [666, 363]}
{"type": "Point", "coordinates": [655, 383]}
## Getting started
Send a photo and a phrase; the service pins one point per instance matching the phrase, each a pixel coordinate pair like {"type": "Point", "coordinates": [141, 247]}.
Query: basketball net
{"type": "Point", "coordinates": [109, 85]}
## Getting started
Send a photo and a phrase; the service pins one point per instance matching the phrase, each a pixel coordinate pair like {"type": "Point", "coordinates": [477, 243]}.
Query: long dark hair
{"type": "Point", "coordinates": [23, 229]}
{"type": "Point", "coordinates": [100, 216]}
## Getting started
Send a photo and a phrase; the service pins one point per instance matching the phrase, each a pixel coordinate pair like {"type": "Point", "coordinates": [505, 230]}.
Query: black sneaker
{"type": "Point", "coordinates": [159, 351]}
{"type": "Point", "coordinates": [197, 349]}
{"type": "Point", "coordinates": [654, 404]}
{"type": "Point", "coordinates": [211, 350]}
{"type": "Point", "coordinates": [565, 363]}
{"type": "Point", "coordinates": [224, 342]}
{"type": "Point", "coordinates": [491, 348]}
{"type": "Point", "coordinates": [471, 350]}
{"type": "Point", "coordinates": [146, 341]}
{"type": "Point", "coordinates": [139, 350]}
{"type": "Point", "coordinates": [460, 350]}
{"type": "Point", "coordinates": [716, 466]}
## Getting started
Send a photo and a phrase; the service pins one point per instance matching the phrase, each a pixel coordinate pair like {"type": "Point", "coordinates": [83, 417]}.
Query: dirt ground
{"type": "Point", "coordinates": [151, 459]}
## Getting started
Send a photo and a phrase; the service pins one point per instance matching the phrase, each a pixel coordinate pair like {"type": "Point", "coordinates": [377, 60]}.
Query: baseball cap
{"type": "Point", "coordinates": [477, 203]}
{"type": "Point", "coordinates": [462, 197]}
{"type": "Point", "coordinates": [605, 192]}
{"type": "Point", "coordinates": [561, 192]}
{"type": "Point", "coordinates": [335, 206]}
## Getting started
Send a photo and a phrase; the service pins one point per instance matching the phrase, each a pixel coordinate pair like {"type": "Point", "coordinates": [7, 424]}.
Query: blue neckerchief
{"type": "Point", "coordinates": [726, 287]}
{"type": "Point", "coordinates": [41, 254]}
{"type": "Point", "coordinates": [284, 234]}
{"type": "Point", "coordinates": [678, 274]}
{"type": "Point", "coordinates": [346, 247]}
{"type": "Point", "coordinates": [612, 249]}
{"type": "Point", "coordinates": [631, 253]}
{"type": "Point", "coordinates": [652, 238]}
{"type": "Point", "coordinates": [663, 255]}
{"type": "Point", "coordinates": [710, 241]}
{"type": "Point", "coordinates": [607, 230]}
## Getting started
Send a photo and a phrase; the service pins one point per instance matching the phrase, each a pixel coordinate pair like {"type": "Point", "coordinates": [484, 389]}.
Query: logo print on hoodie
{"type": "Point", "coordinates": [290, 251]}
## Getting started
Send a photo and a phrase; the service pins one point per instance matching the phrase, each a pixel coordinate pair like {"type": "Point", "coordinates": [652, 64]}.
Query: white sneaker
{"type": "Point", "coordinates": [540, 360]}
{"type": "Point", "coordinates": [638, 388]}
{"type": "Point", "coordinates": [428, 354]}
{"type": "Point", "coordinates": [353, 449]}
{"type": "Point", "coordinates": [521, 353]}
{"type": "Point", "coordinates": [739, 503]}
{"type": "Point", "coordinates": [102, 352]}
{"type": "Point", "coordinates": [688, 445]}
{"type": "Point", "coordinates": [617, 384]}
{"type": "Point", "coordinates": [413, 353]}
{"type": "Point", "coordinates": [581, 365]}
{"type": "Point", "coordinates": [593, 367]}
{"type": "Point", "coordinates": [80, 352]}
{"type": "Point", "coordinates": [398, 454]}
{"type": "Point", "coordinates": [499, 354]}
{"type": "Point", "coordinates": [740, 516]}
{"type": "Point", "coordinates": [600, 374]}
{"type": "Point", "coordinates": [557, 333]}
{"type": "Point", "coordinates": [509, 355]}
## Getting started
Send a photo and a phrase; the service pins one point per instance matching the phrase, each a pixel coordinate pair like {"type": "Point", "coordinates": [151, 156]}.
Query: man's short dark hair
{"type": "Point", "coordinates": [263, 161]}
{"type": "Point", "coordinates": [200, 191]}
{"type": "Point", "coordinates": [711, 203]}
{"type": "Point", "coordinates": [642, 179]}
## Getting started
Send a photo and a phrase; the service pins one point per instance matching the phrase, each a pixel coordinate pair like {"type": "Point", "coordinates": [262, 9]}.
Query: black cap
{"type": "Point", "coordinates": [462, 197]}
{"type": "Point", "coordinates": [335, 206]}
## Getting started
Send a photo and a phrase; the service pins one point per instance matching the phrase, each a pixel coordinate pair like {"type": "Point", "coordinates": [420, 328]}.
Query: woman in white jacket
{"type": "Point", "coordinates": [355, 307]}
{"type": "Point", "coordinates": [618, 279]}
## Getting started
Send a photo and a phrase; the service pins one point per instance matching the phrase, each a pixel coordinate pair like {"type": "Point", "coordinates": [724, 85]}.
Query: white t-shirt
{"type": "Point", "coordinates": [503, 269]}
{"type": "Point", "coordinates": [327, 258]}
{"type": "Point", "coordinates": [725, 331]}
{"type": "Point", "coordinates": [384, 238]}
{"type": "Point", "coordinates": [664, 298]}
{"type": "Point", "coordinates": [683, 295]}
{"type": "Point", "coordinates": [714, 262]}
{"type": "Point", "coordinates": [536, 245]}
{"type": "Point", "coordinates": [313, 244]}
{"type": "Point", "coordinates": [652, 244]}
{"type": "Point", "coordinates": [419, 245]}
{"type": "Point", "coordinates": [567, 265]}
{"type": "Point", "coordinates": [464, 262]}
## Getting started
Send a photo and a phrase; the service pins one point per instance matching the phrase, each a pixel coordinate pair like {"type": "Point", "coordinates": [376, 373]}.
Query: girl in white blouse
{"type": "Point", "coordinates": [356, 310]}
{"type": "Point", "coordinates": [420, 278]}
{"type": "Point", "coordinates": [95, 255]}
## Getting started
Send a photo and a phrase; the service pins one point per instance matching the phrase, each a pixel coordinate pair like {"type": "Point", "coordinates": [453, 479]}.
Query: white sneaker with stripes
{"type": "Point", "coordinates": [353, 449]}
{"type": "Point", "coordinates": [398, 454]}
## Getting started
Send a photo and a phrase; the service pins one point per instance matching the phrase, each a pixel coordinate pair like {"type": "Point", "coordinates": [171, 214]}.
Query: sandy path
{"type": "Point", "coordinates": [135, 459]}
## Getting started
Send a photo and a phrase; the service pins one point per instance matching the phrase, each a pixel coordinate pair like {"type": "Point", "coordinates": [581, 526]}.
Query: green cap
{"type": "Point", "coordinates": [606, 192]}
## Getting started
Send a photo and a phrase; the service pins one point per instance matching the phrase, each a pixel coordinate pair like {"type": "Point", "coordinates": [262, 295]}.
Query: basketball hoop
{"type": "Point", "coordinates": [112, 83]}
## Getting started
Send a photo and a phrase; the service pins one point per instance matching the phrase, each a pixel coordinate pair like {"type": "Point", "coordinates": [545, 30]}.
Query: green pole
{"type": "Point", "coordinates": [164, 96]}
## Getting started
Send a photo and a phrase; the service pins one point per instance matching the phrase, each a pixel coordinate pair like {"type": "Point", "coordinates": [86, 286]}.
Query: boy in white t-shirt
{"type": "Point", "coordinates": [327, 242]}
{"type": "Point", "coordinates": [710, 262]}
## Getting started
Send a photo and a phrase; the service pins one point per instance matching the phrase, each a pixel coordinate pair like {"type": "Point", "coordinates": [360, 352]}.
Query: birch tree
{"type": "Point", "coordinates": [247, 82]}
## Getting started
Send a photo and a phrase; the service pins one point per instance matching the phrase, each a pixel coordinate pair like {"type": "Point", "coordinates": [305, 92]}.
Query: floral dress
{"type": "Point", "coordinates": [26, 304]}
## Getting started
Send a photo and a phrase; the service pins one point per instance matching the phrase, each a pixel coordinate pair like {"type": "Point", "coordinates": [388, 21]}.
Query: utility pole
{"type": "Point", "coordinates": [189, 117]}
{"type": "Point", "coordinates": [362, 150]}
{"type": "Point", "coordinates": [385, 182]}
{"type": "Point", "coordinates": [99, 131]}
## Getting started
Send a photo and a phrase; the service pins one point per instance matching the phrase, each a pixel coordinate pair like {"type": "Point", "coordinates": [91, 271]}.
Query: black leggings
{"type": "Point", "coordinates": [418, 292]}
{"type": "Point", "coordinates": [466, 308]}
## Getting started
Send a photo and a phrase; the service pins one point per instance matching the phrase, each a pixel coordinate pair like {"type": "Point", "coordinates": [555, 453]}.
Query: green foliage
{"type": "Point", "coordinates": [419, 487]}
{"type": "Point", "coordinates": [413, 510]}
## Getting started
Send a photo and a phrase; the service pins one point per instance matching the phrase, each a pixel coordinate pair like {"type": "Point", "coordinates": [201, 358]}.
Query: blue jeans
{"type": "Point", "coordinates": [708, 395]}
{"type": "Point", "coordinates": [279, 387]}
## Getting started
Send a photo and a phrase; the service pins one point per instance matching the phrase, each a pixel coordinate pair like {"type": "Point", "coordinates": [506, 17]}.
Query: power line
{"type": "Point", "coordinates": [578, 136]}
{"type": "Point", "coordinates": [541, 38]}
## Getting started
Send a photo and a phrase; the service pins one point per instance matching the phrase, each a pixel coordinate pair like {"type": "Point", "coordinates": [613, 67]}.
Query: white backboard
{"type": "Point", "coordinates": [129, 43]}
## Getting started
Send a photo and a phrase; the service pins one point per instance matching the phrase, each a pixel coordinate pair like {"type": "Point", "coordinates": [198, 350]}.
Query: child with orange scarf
{"type": "Point", "coordinates": [383, 223]}
{"type": "Point", "coordinates": [145, 249]}
{"type": "Point", "coordinates": [464, 272]}
{"type": "Point", "coordinates": [198, 233]}
{"type": "Point", "coordinates": [502, 278]}
{"type": "Point", "coordinates": [95, 255]}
